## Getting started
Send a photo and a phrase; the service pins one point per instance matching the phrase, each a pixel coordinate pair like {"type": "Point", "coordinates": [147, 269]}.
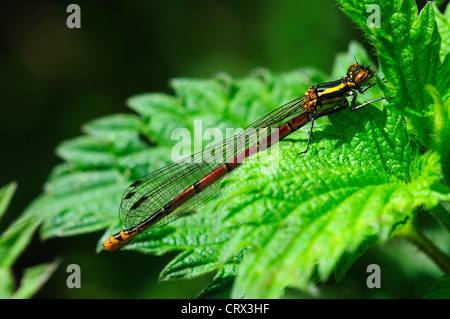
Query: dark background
{"type": "Point", "coordinates": [54, 79]}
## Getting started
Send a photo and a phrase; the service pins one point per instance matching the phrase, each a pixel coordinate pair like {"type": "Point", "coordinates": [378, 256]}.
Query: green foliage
{"type": "Point", "coordinates": [364, 177]}
{"type": "Point", "coordinates": [409, 48]}
{"type": "Point", "coordinates": [440, 289]}
{"type": "Point", "coordinates": [441, 129]}
{"type": "Point", "coordinates": [12, 243]}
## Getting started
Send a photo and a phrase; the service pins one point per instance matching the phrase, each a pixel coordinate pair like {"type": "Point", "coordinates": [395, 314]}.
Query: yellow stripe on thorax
{"type": "Point", "coordinates": [332, 90]}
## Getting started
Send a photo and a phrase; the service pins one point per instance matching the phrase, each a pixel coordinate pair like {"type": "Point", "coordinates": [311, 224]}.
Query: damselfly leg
{"type": "Point", "coordinates": [344, 104]}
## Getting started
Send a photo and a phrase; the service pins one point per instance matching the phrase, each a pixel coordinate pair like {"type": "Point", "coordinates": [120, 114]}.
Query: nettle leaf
{"type": "Point", "coordinates": [408, 48]}
{"type": "Point", "coordinates": [6, 282]}
{"type": "Point", "coordinates": [33, 279]}
{"type": "Point", "coordinates": [17, 236]}
{"type": "Point", "coordinates": [6, 193]}
{"type": "Point", "coordinates": [440, 289]}
{"type": "Point", "coordinates": [282, 219]}
{"type": "Point", "coordinates": [363, 177]}
{"type": "Point", "coordinates": [12, 243]}
{"type": "Point", "coordinates": [443, 23]}
{"type": "Point", "coordinates": [319, 208]}
{"type": "Point", "coordinates": [441, 129]}
{"type": "Point", "coordinates": [83, 194]}
{"type": "Point", "coordinates": [220, 287]}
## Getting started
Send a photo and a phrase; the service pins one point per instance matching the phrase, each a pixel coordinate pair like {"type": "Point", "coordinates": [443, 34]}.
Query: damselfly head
{"type": "Point", "coordinates": [359, 74]}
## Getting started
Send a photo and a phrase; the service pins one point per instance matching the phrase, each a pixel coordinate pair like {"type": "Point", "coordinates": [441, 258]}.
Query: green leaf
{"type": "Point", "coordinates": [408, 46]}
{"type": "Point", "coordinates": [83, 194]}
{"type": "Point", "coordinates": [33, 279]}
{"type": "Point", "coordinates": [282, 220]}
{"type": "Point", "coordinates": [161, 115]}
{"type": "Point", "coordinates": [441, 130]}
{"type": "Point", "coordinates": [318, 224]}
{"type": "Point", "coordinates": [17, 236]}
{"type": "Point", "coordinates": [119, 131]}
{"type": "Point", "coordinates": [443, 23]}
{"type": "Point", "coordinates": [370, 177]}
{"type": "Point", "coordinates": [440, 289]}
{"type": "Point", "coordinates": [349, 257]}
{"type": "Point", "coordinates": [6, 282]}
{"type": "Point", "coordinates": [12, 243]}
{"type": "Point", "coordinates": [6, 193]}
{"type": "Point", "coordinates": [190, 263]}
{"type": "Point", "coordinates": [442, 213]}
{"type": "Point", "coordinates": [221, 285]}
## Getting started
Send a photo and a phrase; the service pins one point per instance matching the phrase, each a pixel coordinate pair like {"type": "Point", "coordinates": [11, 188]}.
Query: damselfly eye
{"type": "Point", "coordinates": [361, 77]}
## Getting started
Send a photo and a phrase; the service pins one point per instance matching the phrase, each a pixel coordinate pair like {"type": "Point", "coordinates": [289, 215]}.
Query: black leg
{"type": "Point", "coordinates": [355, 94]}
{"type": "Point", "coordinates": [352, 105]}
{"type": "Point", "coordinates": [315, 116]}
{"type": "Point", "coordinates": [364, 90]}
{"type": "Point", "coordinates": [310, 134]}
{"type": "Point", "coordinates": [370, 102]}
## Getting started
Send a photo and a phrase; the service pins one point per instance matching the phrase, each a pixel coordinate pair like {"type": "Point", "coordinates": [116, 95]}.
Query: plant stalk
{"type": "Point", "coordinates": [415, 236]}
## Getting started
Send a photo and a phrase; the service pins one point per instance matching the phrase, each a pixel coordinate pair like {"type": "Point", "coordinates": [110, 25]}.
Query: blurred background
{"type": "Point", "coordinates": [55, 79]}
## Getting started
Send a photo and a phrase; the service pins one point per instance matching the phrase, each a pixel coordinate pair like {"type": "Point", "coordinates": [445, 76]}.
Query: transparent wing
{"type": "Point", "coordinates": [150, 193]}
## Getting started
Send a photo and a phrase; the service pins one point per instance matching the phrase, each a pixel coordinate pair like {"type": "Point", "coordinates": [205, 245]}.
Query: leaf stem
{"type": "Point", "coordinates": [415, 236]}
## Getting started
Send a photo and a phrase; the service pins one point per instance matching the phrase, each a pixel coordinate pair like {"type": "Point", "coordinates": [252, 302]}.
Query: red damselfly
{"type": "Point", "coordinates": [181, 187]}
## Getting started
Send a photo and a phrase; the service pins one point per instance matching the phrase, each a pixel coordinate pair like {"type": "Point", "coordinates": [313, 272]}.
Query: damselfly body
{"type": "Point", "coordinates": [181, 187]}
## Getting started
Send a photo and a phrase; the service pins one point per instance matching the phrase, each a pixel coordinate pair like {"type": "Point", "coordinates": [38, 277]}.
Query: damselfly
{"type": "Point", "coordinates": [181, 187]}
